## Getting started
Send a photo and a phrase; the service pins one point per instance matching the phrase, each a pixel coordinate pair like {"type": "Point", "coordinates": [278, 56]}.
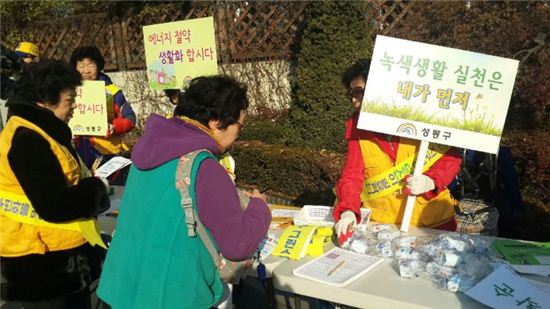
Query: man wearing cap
{"type": "Point", "coordinates": [27, 51]}
{"type": "Point", "coordinates": [12, 64]}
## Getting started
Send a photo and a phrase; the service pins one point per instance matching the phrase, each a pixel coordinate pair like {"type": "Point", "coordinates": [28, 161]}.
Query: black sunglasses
{"type": "Point", "coordinates": [356, 93]}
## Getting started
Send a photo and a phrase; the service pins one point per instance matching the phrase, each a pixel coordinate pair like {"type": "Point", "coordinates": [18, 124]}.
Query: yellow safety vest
{"type": "Point", "coordinates": [382, 178]}
{"type": "Point", "coordinates": [22, 232]}
{"type": "Point", "coordinates": [112, 144]}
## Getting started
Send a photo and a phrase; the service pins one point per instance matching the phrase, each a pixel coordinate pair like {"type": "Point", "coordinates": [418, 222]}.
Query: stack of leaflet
{"type": "Point", "coordinates": [282, 216]}
{"type": "Point", "coordinates": [322, 216]}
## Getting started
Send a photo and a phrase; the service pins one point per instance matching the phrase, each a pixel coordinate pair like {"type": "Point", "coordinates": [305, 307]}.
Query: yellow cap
{"type": "Point", "coordinates": [27, 48]}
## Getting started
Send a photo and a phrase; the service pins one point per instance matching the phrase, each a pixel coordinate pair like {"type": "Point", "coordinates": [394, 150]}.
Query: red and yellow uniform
{"type": "Point", "coordinates": [371, 154]}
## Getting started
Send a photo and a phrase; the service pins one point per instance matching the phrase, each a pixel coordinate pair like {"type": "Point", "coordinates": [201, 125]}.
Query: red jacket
{"type": "Point", "coordinates": [350, 184]}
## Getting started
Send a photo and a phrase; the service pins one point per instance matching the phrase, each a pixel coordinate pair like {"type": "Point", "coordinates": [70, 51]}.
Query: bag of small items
{"type": "Point", "coordinates": [453, 261]}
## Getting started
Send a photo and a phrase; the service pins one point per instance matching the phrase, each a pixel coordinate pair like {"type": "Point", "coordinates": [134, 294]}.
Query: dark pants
{"type": "Point", "coordinates": [79, 300]}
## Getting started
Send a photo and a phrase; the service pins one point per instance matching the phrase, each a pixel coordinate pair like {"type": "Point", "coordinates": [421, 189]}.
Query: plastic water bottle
{"type": "Point", "coordinates": [408, 268]}
{"type": "Point", "coordinates": [436, 271]}
{"type": "Point", "coordinates": [448, 259]}
{"type": "Point", "coordinates": [461, 282]}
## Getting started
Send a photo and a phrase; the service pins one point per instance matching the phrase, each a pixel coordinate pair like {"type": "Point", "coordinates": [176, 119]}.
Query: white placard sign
{"type": "Point", "coordinates": [506, 289]}
{"type": "Point", "coordinates": [90, 117]}
{"type": "Point", "coordinates": [437, 94]}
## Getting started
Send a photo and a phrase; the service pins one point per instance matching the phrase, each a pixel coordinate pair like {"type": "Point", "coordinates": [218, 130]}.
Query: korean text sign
{"type": "Point", "coordinates": [177, 52]}
{"type": "Point", "coordinates": [90, 114]}
{"type": "Point", "coordinates": [505, 289]}
{"type": "Point", "coordinates": [437, 94]}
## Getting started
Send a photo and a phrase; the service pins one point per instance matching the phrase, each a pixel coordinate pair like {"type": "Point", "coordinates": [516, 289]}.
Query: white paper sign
{"type": "Point", "coordinates": [506, 289]}
{"type": "Point", "coordinates": [437, 94]}
{"type": "Point", "coordinates": [90, 117]}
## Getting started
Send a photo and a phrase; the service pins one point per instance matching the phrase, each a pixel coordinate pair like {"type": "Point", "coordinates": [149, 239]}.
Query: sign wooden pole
{"type": "Point", "coordinates": [411, 198]}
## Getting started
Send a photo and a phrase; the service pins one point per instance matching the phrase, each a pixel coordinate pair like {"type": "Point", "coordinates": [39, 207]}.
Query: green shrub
{"type": "Point", "coordinates": [306, 175]}
{"type": "Point", "coordinates": [267, 131]}
{"type": "Point", "coordinates": [530, 151]}
{"type": "Point", "coordinates": [335, 35]}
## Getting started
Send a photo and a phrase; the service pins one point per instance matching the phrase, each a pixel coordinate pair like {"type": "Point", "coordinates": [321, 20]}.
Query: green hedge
{"type": "Point", "coordinates": [267, 131]}
{"type": "Point", "coordinates": [306, 175]}
{"type": "Point", "coordinates": [335, 35]}
{"type": "Point", "coordinates": [291, 158]}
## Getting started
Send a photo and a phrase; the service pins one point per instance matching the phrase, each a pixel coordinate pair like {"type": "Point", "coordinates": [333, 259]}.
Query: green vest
{"type": "Point", "coordinates": [151, 262]}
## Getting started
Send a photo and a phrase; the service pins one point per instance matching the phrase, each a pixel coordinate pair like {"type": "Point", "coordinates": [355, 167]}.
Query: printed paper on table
{"type": "Point", "coordinates": [90, 114]}
{"type": "Point", "coordinates": [321, 269]}
{"type": "Point", "coordinates": [266, 246]}
{"type": "Point", "coordinates": [437, 94]}
{"type": "Point", "coordinates": [177, 52]}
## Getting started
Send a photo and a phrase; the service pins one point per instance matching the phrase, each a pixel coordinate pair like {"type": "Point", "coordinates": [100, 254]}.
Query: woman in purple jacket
{"type": "Point", "coordinates": [152, 262]}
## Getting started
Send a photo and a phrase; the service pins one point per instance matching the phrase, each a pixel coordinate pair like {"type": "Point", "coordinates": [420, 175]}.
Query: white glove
{"type": "Point", "coordinates": [110, 130]}
{"type": "Point", "coordinates": [417, 185]}
{"type": "Point", "coordinates": [347, 220]}
{"type": "Point", "coordinates": [105, 183]}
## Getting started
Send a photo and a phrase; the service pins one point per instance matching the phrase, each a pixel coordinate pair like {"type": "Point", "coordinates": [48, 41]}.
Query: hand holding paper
{"type": "Point", "coordinates": [105, 183]}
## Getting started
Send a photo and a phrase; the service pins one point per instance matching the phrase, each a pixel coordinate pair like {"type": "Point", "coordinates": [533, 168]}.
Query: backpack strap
{"type": "Point", "coordinates": [186, 175]}
{"type": "Point", "coordinates": [183, 175]}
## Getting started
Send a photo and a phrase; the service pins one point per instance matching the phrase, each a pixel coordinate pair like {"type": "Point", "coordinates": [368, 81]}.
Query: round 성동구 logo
{"type": "Point", "coordinates": [78, 128]}
{"type": "Point", "coordinates": [407, 128]}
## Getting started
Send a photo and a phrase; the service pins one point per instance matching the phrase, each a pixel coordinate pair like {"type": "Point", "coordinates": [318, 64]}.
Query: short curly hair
{"type": "Point", "coordinates": [217, 97]}
{"type": "Point", "coordinates": [358, 69]}
{"type": "Point", "coordinates": [44, 81]}
{"type": "Point", "coordinates": [92, 52]}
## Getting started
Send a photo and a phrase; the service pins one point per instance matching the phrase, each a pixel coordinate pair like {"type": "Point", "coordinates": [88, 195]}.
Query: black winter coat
{"type": "Point", "coordinates": [55, 273]}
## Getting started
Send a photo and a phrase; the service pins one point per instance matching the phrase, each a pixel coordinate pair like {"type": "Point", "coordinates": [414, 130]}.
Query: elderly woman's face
{"type": "Point", "coordinates": [63, 109]}
{"type": "Point", "coordinates": [227, 136]}
{"type": "Point", "coordinates": [355, 92]}
{"type": "Point", "coordinates": [87, 68]}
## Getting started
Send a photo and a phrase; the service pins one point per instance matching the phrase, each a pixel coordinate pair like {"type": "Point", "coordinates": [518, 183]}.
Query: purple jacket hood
{"type": "Point", "coordinates": [168, 139]}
